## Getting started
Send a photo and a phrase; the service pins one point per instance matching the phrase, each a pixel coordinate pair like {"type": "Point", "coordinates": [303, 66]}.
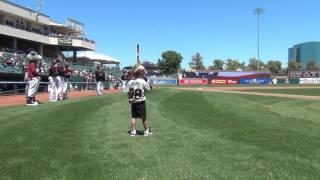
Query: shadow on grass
{"type": "Point", "coordinates": [139, 132]}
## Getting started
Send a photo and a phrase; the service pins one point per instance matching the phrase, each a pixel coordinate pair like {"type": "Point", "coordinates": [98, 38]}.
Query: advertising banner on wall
{"type": "Point", "coordinates": [193, 81]}
{"type": "Point", "coordinates": [255, 81]}
{"type": "Point", "coordinates": [289, 81]}
{"type": "Point", "coordinates": [309, 81]}
{"type": "Point", "coordinates": [224, 81]}
{"type": "Point", "coordinates": [283, 81]}
{"type": "Point", "coordinates": [64, 42]}
{"type": "Point", "coordinates": [304, 74]}
{"type": "Point", "coordinates": [294, 81]}
{"type": "Point", "coordinates": [162, 81]}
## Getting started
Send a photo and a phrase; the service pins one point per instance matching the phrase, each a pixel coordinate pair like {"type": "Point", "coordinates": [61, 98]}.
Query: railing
{"type": "Point", "coordinates": [18, 87]}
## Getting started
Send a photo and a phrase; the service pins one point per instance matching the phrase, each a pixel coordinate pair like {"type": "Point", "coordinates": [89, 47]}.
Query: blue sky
{"type": "Point", "coordinates": [215, 28]}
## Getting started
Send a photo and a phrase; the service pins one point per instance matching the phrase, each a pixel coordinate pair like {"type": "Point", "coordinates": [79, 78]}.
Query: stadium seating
{"type": "Point", "coordinates": [11, 63]}
{"type": "Point", "coordinates": [15, 63]}
{"type": "Point", "coordinates": [82, 67]}
{"type": "Point", "coordinates": [115, 73]}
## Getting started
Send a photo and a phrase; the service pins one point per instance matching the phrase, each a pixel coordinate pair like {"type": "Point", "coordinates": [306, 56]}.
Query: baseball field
{"type": "Point", "coordinates": [198, 134]}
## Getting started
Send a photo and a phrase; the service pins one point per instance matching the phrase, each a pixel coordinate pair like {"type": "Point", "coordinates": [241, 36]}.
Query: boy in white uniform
{"type": "Point", "coordinates": [137, 88]}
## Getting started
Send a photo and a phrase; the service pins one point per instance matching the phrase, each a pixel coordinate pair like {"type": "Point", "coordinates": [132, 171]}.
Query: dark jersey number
{"type": "Point", "coordinates": [137, 93]}
{"type": "Point", "coordinates": [134, 94]}
{"type": "Point", "coordinates": [131, 93]}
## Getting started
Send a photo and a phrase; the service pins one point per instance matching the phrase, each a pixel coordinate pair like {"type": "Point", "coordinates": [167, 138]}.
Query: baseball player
{"type": "Point", "coordinates": [126, 77]}
{"type": "Point", "coordinates": [100, 78]}
{"type": "Point", "coordinates": [26, 80]}
{"type": "Point", "coordinates": [60, 80]}
{"type": "Point", "coordinates": [123, 80]}
{"type": "Point", "coordinates": [137, 88]}
{"type": "Point", "coordinates": [33, 78]}
{"type": "Point", "coordinates": [67, 77]}
{"type": "Point", "coordinates": [53, 82]}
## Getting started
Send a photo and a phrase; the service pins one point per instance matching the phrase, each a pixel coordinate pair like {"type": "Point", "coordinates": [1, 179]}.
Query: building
{"type": "Point", "coordinates": [22, 28]}
{"type": "Point", "coordinates": [304, 53]}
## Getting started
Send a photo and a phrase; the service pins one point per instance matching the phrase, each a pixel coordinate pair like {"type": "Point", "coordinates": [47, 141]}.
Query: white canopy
{"type": "Point", "coordinates": [94, 56]}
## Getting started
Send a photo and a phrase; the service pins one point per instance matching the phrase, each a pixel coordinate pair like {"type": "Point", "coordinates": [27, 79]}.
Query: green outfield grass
{"type": "Point", "coordinates": [304, 91]}
{"type": "Point", "coordinates": [197, 135]}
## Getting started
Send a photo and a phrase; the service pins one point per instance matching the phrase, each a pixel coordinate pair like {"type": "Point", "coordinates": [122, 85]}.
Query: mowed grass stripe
{"type": "Point", "coordinates": [43, 142]}
{"type": "Point", "coordinates": [198, 135]}
{"type": "Point", "coordinates": [247, 122]}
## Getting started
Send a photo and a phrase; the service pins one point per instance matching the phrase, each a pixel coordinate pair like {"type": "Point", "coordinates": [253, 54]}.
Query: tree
{"type": "Point", "coordinates": [274, 66]}
{"type": "Point", "coordinates": [243, 66]}
{"type": "Point", "coordinates": [312, 65]}
{"type": "Point", "coordinates": [293, 66]}
{"type": "Point", "coordinates": [196, 62]}
{"type": "Point", "coordinates": [217, 65]}
{"type": "Point", "coordinates": [233, 64]}
{"type": "Point", "coordinates": [170, 61]}
{"type": "Point", "coordinates": [254, 64]}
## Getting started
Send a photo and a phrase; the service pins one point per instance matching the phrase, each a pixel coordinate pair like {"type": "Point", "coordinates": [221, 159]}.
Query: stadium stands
{"type": "Point", "coordinates": [20, 33]}
{"type": "Point", "coordinates": [66, 36]}
{"type": "Point", "coordinates": [19, 24]}
{"type": "Point", "coordinates": [114, 72]}
{"type": "Point", "coordinates": [16, 63]}
{"type": "Point", "coordinates": [11, 62]}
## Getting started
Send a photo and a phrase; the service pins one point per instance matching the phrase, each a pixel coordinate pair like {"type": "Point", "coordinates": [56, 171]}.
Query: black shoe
{"type": "Point", "coordinates": [31, 103]}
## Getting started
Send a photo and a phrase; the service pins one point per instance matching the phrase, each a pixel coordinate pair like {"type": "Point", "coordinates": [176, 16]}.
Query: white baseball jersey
{"type": "Point", "coordinates": [137, 88]}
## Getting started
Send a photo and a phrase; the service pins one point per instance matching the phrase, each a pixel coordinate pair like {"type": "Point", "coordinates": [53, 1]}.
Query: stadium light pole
{"type": "Point", "coordinates": [258, 12]}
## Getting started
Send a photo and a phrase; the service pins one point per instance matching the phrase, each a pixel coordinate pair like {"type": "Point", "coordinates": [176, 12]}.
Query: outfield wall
{"type": "Point", "coordinates": [226, 78]}
{"type": "Point", "coordinates": [309, 81]}
{"type": "Point", "coordinates": [249, 78]}
{"type": "Point", "coordinates": [304, 74]}
{"type": "Point", "coordinates": [166, 81]}
{"type": "Point", "coordinates": [305, 77]}
{"type": "Point", "coordinates": [193, 81]}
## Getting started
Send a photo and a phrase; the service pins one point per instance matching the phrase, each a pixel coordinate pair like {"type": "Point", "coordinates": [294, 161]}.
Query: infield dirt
{"type": "Point", "coordinates": [14, 100]}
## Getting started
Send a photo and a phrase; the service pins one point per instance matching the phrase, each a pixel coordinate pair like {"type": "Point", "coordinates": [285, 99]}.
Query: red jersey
{"type": "Point", "coordinates": [68, 72]}
{"type": "Point", "coordinates": [54, 70]}
{"type": "Point", "coordinates": [61, 70]}
{"type": "Point", "coordinates": [32, 70]}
